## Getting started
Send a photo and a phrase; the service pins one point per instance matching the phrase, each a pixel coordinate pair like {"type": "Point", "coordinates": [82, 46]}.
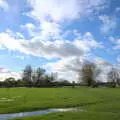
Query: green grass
{"type": "Point", "coordinates": [97, 103]}
{"type": "Point", "coordinates": [75, 116]}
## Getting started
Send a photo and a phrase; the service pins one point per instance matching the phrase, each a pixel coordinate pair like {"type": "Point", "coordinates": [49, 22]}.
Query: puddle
{"type": "Point", "coordinates": [35, 113]}
{"type": "Point", "coordinates": [9, 99]}
{"type": "Point", "coordinates": [5, 100]}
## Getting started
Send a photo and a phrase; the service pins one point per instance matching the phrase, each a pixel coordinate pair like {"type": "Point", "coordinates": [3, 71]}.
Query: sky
{"type": "Point", "coordinates": [58, 35]}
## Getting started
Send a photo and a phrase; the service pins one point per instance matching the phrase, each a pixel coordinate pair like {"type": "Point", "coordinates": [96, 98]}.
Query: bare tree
{"type": "Point", "coordinates": [39, 76]}
{"type": "Point", "coordinates": [27, 75]}
{"type": "Point", "coordinates": [87, 73]}
{"type": "Point", "coordinates": [113, 77]}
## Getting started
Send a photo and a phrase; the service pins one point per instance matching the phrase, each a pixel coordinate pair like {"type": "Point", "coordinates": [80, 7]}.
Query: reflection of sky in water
{"type": "Point", "coordinates": [35, 113]}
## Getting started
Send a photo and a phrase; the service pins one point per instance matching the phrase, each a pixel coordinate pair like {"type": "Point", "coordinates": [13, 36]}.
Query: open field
{"type": "Point", "coordinates": [97, 103]}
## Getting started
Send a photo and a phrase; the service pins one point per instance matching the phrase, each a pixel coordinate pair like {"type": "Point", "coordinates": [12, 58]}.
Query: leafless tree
{"type": "Point", "coordinates": [27, 75]}
{"type": "Point", "coordinates": [89, 73]}
{"type": "Point", "coordinates": [113, 77]}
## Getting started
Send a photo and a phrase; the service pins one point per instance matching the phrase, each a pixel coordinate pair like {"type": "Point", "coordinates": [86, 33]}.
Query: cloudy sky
{"type": "Point", "coordinates": [58, 35]}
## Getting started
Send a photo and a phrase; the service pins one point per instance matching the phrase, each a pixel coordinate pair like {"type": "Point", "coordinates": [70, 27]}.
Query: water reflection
{"type": "Point", "coordinates": [36, 113]}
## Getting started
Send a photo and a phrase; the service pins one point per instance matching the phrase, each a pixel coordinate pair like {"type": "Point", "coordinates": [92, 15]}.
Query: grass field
{"type": "Point", "coordinates": [97, 103]}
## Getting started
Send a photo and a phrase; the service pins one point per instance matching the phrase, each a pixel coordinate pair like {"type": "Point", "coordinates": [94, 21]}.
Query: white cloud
{"type": "Point", "coordinates": [8, 41]}
{"type": "Point", "coordinates": [48, 39]}
{"type": "Point", "coordinates": [50, 49]}
{"type": "Point", "coordinates": [3, 4]}
{"type": "Point", "coordinates": [46, 30]}
{"type": "Point", "coordinates": [67, 68]}
{"type": "Point", "coordinates": [56, 10]}
{"type": "Point", "coordinates": [50, 29]}
{"type": "Point", "coordinates": [5, 73]}
{"type": "Point", "coordinates": [108, 24]}
{"type": "Point", "coordinates": [61, 10]}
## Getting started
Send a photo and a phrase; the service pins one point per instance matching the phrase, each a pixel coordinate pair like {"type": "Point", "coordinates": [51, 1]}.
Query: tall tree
{"type": "Point", "coordinates": [87, 73]}
{"type": "Point", "coordinates": [39, 76]}
{"type": "Point", "coordinates": [27, 75]}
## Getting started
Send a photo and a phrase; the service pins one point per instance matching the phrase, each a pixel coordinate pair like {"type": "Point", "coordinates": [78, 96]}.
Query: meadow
{"type": "Point", "coordinates": [96, 103]}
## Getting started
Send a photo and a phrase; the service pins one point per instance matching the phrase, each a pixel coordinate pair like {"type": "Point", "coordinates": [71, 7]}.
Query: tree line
{"type": "Point", "coordinates": [34, 78]}
{"type": "Point", "coordinates": [88, 73]}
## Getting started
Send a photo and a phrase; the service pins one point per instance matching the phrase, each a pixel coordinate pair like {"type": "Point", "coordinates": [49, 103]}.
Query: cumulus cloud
{"type": "Point", "coordinates": [50, 15]}
{"type": "Point", "coordinates": [8, 41]}
{"type": "Point", "coordinates": [60, 10]}
{"type": "Point", "coordinates": [46, 30]}
{"type": "Point", "coordinates": [108, 24]}
{"type": "Point", "coordinates": [54, 9]}
{"type": "Point", "coordinates": [50, 29]}
{"type": "Point", "coordinates": [50, 49]}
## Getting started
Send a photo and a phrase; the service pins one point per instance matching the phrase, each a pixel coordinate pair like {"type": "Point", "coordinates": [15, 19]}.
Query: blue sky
{"type": "Point", "coordinates": [58, 35]}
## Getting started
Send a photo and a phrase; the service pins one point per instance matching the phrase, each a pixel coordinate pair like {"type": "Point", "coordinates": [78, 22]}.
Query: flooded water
{"type": "Point", "coordinates": [35, 113]}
